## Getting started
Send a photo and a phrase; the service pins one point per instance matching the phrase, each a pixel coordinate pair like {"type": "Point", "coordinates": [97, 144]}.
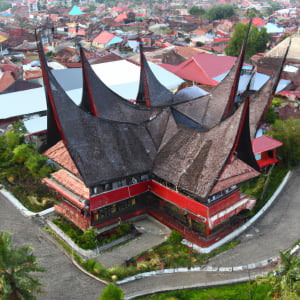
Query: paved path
{"type": "Point", "coordinates": [63, 281]}
{"type": "Point", "coordinates": [277, 230]}
{"type": "Point", "coordinates": [179, 281]}
{"type": "Point", "coordinates": [154, 234]}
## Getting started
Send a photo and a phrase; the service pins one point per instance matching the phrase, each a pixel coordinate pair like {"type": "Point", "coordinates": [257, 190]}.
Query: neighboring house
{"type": "Point", "coordinates": [267, 63]}
{"type": "Point", "coordinates": [75, 11]}
{"type": "Point", "coordinates": [74, 31]}
{"type": "Point", "coordinates": [6, 79]}
{"type": "Point", "coordinates": [204, 68]}
{"type": "Point", "coordinates": [106, 39]}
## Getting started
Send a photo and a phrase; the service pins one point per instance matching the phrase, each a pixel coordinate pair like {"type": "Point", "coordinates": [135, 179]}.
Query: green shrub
{"type": "Point", "coordinates": [112, 292]}
{"type": "Point", "coordinates": [175, 237]}
{"type": "Point", "coordinates": [90, 264]}
{"type": "Point", "coordinates": [88, 240]}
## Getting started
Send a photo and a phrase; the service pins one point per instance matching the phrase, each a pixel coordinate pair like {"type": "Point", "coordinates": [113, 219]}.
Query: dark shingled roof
{"type": "Point", "coordinates": [188, 158]}
{"type": "Point", "coordinates": [119, 149]}
{"type": "Point", "coordinates": [103, 102]}
{"type": "Point", "coordinates": [151, 91]}
{"type": "Point", "coordinates": [193, 145]}
{"type": "Point", "coordinates": [262, 99]}
{"type": "Point", "coordinates": [20, 85]}
{"type": "Point", "coordinates": [209, 110]}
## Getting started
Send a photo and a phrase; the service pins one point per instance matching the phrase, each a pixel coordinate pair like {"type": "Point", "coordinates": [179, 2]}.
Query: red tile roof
{"type": "Point", "coordinates": [214, 65]}
{"type": "Point", "coordinates": [121, 17]}
{"type": "Point", "coordinates": [6, 80]}
{"type": "Point", "coordinates": [104, 37]}
{"type": "Point", "coordinates": [256, 21]}
{"type": "Point", "coordinates": [187, 52]}
{"type": "Point", "coordinates": [79, 32]}
{"type": "Point", "coordinates": [192, 71]}
{"type": "Point", "coordinates": [264, 143]}
{"type": "Point", "coordinates": [60, 155]}
{"type": "Point", "coordinates": [202, 68]}
{"type": "Point", "coordinates": [33, 74]}
{"type": "Point", "coordinates": [72, 183]}
{"type": "Point", "coordinates": [119, 9]}
{"type": "Point", "coordinates": [9, 67]}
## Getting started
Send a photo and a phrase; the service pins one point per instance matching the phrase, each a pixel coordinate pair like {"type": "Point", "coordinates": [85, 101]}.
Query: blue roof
{"type": "Point", "coordinates": [6, 15]}
{"type": "Point", "coordinates": [273, 28]}
{"type": "Point", "coordinates": [75, 11]}
{"type": "Point", "coordinates": [114, 40]}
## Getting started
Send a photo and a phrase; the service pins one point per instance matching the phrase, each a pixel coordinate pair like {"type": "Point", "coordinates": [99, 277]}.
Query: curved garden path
{"type": "Point", "coordinates": [277, 230]}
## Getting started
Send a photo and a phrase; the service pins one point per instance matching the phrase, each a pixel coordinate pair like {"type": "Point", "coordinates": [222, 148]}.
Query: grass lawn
{"type": "Point", "coordinates": [262, 188]}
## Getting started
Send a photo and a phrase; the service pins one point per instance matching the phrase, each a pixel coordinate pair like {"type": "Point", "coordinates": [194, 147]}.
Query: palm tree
{"type": "Point", "coordinates": [285, 281]}
{"type": "Point", "coordinates": [16, 266]}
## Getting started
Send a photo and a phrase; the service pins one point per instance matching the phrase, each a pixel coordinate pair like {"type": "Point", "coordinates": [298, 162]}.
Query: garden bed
{"type": "Point", "coordinates": [90, 239]}
{"type": "Point", "coordinates": [32, 193]}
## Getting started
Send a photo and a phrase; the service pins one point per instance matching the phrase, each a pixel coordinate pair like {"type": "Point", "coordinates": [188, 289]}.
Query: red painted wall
{"type": "Point", "coordinates": [178, 199]}
{"type": "Point", "coordinates": [119, 194]}
{"type": "Point", "coordinates": [165, 193]}
{"type": "Point", "coordinates": [224, 203]}
{"type": "Point", "coordinates": [75, 216]}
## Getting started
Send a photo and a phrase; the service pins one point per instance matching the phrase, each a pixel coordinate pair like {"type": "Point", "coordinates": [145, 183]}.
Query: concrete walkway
{"type": "Point", "coordinates": [277, 230]}
{"type": "Point", "coordinates": [154, 233]}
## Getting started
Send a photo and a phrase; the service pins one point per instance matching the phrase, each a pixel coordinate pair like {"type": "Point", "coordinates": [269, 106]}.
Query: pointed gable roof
{"type": "Point", "coordinates": [212, 109]}
{"type": "Point", "coordinates": [262, 99]}
{"type": "Point", "coordinates": [229, 106]}
{"type": "Point", "coordinates": [105, 103]}
{"type": "Point", "coordinates": [151, 92]}
{"type": "Point", "coordinates": [188, 160]}
{"type": "Point", "coordinates": [177, 145]}
{"type": "Point", "coordinates": [208, 110]}
{"type": "Point", "coordinates": [121, 149]}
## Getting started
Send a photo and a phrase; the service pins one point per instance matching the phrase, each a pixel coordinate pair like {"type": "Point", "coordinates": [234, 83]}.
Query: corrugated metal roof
{"type": "Point", "coordinates": [36, 125]}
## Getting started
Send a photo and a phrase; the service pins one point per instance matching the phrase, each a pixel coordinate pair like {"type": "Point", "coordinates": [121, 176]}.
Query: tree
{"type": "Point", "coordinates": [287, 131]}
{"type": "Point", "coordinates": [112, 292]}
{"type": "Point", "coordinates": [91, 8]}
{"type": "Point", "coordinates": [196, 11]}
{"type": "Point", "coordinates": [273, 7]}
{"type": "Point", "coordinates": [257, 42]}
{"type": "Point", "coordinates": [285, 281]}
{"type": "Point", "coordinates": [130, 17]}
{"type": "Point", "coordinates": [16, 266]}
{"type": "Point", "coordinates": [252, 13]}
{"type": "Point", "coordinates": [220, 11]}
{"type": "Point", "coordinates": [4, 5]}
